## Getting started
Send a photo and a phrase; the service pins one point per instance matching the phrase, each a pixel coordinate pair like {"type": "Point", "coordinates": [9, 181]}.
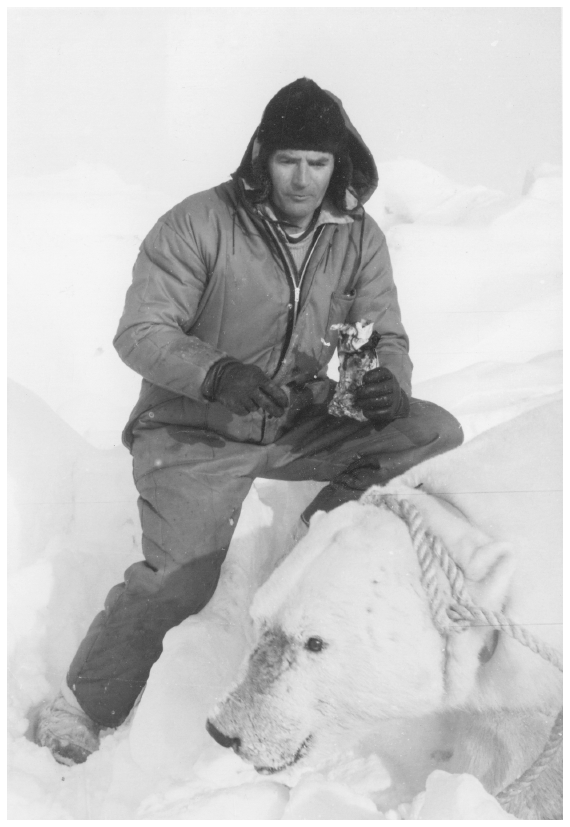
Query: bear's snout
{"type": "Point", "coordinates": [221, 739]}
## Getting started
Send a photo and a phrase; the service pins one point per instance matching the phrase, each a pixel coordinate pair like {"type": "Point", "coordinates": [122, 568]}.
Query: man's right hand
{"type": "Point", "coordinates": [243, 389]}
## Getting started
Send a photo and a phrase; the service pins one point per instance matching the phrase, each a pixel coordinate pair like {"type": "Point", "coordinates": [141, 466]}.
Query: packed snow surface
{"type": "Point", "coordinates": [479, 283]}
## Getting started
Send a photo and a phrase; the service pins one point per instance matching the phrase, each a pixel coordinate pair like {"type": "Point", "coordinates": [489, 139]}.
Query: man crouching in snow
{"type": "Point", "coordinates": [230, 321]}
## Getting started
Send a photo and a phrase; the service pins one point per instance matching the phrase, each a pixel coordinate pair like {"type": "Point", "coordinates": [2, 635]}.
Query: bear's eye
{"type": "Point", "coordinates": [314, 644]}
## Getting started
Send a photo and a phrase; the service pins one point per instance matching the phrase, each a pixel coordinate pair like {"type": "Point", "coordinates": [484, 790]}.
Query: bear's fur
{"type": "Point", "coordinates": [346, 640]}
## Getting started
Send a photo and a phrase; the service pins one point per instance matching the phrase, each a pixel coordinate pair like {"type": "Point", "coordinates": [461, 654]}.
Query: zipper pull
{"type": "Point", "coordinates": [297, 294]}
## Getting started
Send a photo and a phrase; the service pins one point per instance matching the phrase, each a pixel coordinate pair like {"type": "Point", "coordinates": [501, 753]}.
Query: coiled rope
{"type": "Point", "coordinates": [456, 611]}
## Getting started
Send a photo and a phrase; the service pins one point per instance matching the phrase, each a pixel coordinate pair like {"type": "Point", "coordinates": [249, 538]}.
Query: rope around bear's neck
{"type": "Point", "coordinates": [456, 611]}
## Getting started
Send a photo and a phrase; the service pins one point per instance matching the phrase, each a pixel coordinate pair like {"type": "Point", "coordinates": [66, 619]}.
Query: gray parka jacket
{"type": "Point", "coordinates": [211, 281]}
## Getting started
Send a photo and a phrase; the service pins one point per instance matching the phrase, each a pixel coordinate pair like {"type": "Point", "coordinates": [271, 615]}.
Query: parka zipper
{"type": "Point", "coordinates": [296, 289]}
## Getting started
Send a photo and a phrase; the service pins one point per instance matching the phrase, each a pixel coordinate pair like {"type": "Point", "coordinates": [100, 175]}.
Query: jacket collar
{"type": "Point", "coordinates": [328, 214]}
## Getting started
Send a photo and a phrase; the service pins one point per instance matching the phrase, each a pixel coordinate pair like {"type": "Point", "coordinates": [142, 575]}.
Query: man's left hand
{"type": "Point", "coordinates": [380, 397]}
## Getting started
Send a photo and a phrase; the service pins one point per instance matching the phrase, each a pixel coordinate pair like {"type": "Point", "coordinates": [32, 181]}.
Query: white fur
{"type": "Point", "coordinates": [354, 582]}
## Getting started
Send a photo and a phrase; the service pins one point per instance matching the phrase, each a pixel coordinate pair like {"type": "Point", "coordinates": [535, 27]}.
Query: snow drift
{"type": "Point", "coordinates": [479, 283]}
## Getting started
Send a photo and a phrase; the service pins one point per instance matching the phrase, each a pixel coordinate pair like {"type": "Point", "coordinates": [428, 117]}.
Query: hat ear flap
{"type": "Point", "coordinates": [340, 189]}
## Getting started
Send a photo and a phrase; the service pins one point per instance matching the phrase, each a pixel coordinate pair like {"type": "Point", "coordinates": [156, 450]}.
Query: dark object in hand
{"type": "Point", "coordinates": [380, 397]}
{"type": "Point", "coordinates": [357, 355]}
{"type": "Point", "coordinates": [243, 388]}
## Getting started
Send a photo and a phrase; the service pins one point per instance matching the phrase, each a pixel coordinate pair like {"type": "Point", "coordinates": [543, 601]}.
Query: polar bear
{"type": "Point", "coordinates": [348, 639]}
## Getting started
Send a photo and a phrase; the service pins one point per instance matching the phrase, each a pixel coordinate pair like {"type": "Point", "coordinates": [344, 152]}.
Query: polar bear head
{"type": "Point", "coordinates": [344, 637]}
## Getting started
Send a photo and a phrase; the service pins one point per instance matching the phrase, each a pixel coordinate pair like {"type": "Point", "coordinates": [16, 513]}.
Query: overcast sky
{"type": "Point", "coordinates": [168, 98]}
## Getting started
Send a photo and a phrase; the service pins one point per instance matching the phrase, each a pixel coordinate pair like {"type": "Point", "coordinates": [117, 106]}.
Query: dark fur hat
{"type": "Point", "coordinates": [302, 116]}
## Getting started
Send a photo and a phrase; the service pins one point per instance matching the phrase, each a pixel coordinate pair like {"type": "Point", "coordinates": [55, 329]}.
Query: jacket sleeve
{"type": "Point", "coordinates": [376, 299]}
{"type": "Point", "coordinates": [169, 278]}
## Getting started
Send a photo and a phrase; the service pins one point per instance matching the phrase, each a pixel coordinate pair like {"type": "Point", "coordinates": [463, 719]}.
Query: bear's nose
{"type": "Point", "coordinates": [223, 740]}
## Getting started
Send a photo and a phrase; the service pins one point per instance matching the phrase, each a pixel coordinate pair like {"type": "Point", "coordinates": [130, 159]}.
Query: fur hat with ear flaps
{"type": "Point", "coordinates": [304, 116]}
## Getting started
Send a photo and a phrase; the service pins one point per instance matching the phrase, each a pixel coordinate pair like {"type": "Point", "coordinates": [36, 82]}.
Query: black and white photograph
{"type": "Point", "coordinates": [284, 413]}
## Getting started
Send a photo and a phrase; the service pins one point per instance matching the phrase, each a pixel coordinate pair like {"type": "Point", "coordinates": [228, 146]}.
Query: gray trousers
{"type": "Point", "coordinates": [192, 484]}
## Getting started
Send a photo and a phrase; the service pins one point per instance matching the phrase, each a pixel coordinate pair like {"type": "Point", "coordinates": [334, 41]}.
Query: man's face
{"type": "Point", "coordinates": [300, 178]}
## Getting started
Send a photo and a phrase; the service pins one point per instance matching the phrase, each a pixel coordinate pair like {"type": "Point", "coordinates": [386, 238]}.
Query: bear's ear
{"type": "Point", "coordinates": [488, 573]}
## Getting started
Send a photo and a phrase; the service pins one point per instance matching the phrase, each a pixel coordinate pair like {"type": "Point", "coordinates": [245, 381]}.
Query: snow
{"type": "Point", "coordinates": [479, 283]}
{"type": "Point", "coordinates": [460, 796]}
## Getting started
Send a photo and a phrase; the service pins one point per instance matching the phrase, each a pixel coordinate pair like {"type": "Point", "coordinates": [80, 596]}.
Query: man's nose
{"type": "Point", "coordinates": [301, 177]}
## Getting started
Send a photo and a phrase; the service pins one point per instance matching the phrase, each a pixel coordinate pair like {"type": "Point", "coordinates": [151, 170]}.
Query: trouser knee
{"type": "Point", "coordinates": [439, 421]}
{"type": "Point", "coordinates": [176, 589]}
{"type": "Point", "coordinates": [391, 451]}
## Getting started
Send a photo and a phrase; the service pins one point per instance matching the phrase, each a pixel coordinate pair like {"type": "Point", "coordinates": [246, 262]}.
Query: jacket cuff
{"type": "Point", "coordinates": [209, 386]}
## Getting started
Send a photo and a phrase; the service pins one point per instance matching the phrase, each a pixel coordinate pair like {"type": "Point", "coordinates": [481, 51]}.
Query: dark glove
{"type": "Point", "coordinates": [380, 397]}
{"type": "Point", "coordinates": [243, 388]}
